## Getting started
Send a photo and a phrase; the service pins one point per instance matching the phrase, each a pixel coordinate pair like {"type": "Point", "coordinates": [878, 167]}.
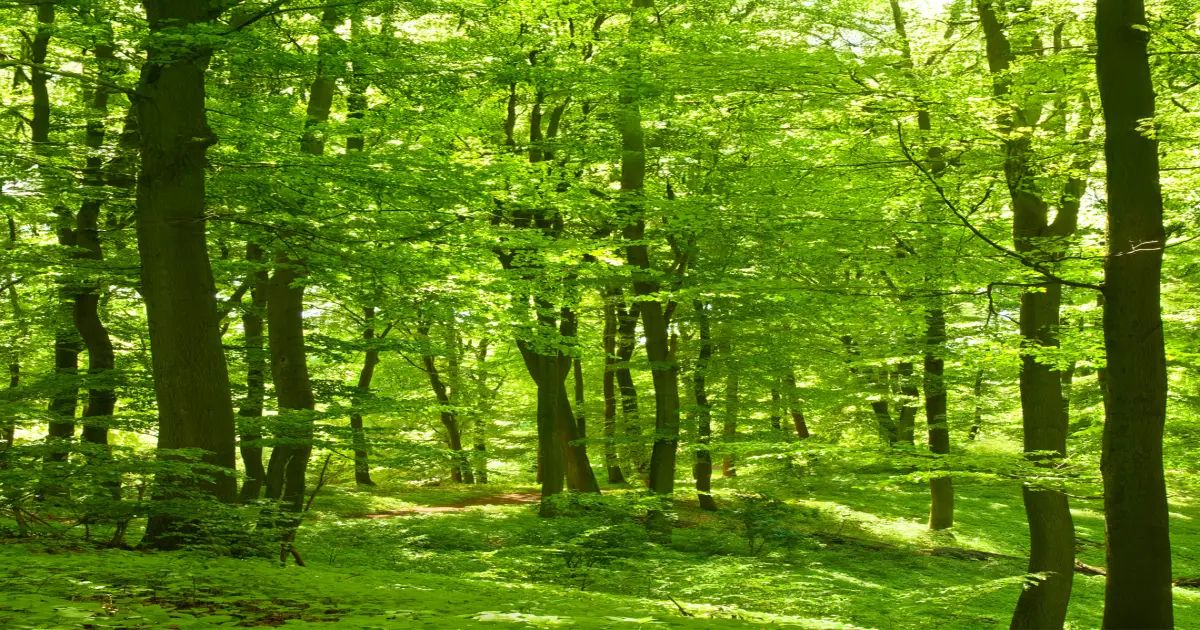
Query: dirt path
{"type": "Point", "coordinates": [511, 498]}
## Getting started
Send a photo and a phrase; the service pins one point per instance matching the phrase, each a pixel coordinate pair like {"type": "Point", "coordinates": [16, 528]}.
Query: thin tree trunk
{"type": "Point", "coordinates": [191, 380]}
{"type": "Point", "coordinates": [14, 366]}
{"type": "Point", "coordinates": [906, 424]}
{"type": "Point", "coordinates": [446, 415]}
{"type": "Point", "coordinates": [703, 468]}
{"type": "Point", "coordinates": [977, 416]}
{"type": "Point", "coordinates": [362, 467]}
{"type": "Point", "coordinates": [458, 395]}
{"type": "Point", "coordinates": [10, 427]}
{"type": "Point", "coordinates": [1138, 588]}
{"type": "Point", "coordinates": [483, 405]}
{"type": "Point", "coordinates": [776, 410]}
{"type": "Point", "coordinates": [794, 407]}
{"type": "Point", "coordinates": [883, 416]}
{"type": "Point", "coordinates": [86, 313]}
{"type": "Point", "coordinates": [66, 344]}
{"type": "Point", "coordinates": [655, 317]}
{"type": "Point", "coordinates": [611, 461]}
{"type": "Point", "coordinates": [941, 489]}
{"type": "Point", "coordinates": [250, 428]}
{"type": "Point", "coordinates": [356, 106]}
{"type": "Point", "coordinates": [627, 320]}
{"type": "Point", "coordinates": [729, 430]}
{"type": "Point", "coordinates": [580, 416]}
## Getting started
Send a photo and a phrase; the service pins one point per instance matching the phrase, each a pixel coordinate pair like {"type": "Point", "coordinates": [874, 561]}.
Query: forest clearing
{"type": "Point", "coordinates": [600, 313]}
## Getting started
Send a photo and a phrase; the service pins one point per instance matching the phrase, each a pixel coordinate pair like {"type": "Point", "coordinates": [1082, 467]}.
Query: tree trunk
{"type": "Point", "coordinates": [250, 428]}
{"type": "Point", "coordinates": [66, 344]}
{"type": "Point", "coordinates": [941, 489]}
{"type": "Point", "coordinates": [627, 320]}
{"type": "Point", "coordinates": [10, 427]}
{"type": "Point", "coordinates": [776, 411]}
{"type": "Point", "coordinates": [580, 417]}
{"type": "Point", "coordinates": [794, 407]}
{"type": "Point", "coordinates": [86, 313]}
{"type": "Point", "coordinates": [458, 394]}
{"type": "Point", "coordinates": [288, 465]}
{"type": "Point", "coordinates": [905, 425]}
{"type": "Point", "coordinates": [14, 366]}
{"type": "Point", "coordinates": [191, 380]}
{"type": "Point", "coordinates": [447, 416]}
{"type": "Point", "coordinates": [883, 416]}
{"type": "Point", "coordinates": [362, 468]}
{"type": "Point", "coordinates": [703, 468]}
{"type": "Point", "coordinates": [1138, 588]}
{"type": "Point", "coordinates": [729, 431]}
{"type": "Point", "coordinates": [977, 416]}
{"type": "Point", "coordinates": [1052, 537]}
{"type": "Point", "coordinates": [483, 408]}
{"type": "Point", "coordinates": [611, 462]}
{"type": "Point", "coordinates": [655, 318]}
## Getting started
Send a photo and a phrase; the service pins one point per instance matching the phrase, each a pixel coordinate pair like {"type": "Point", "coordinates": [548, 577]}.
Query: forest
{"type": "Point", "coordinates": [600, 314]}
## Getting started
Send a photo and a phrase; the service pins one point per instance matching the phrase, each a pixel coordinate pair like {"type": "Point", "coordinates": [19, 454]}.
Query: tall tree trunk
{"type": "Point", "coordinates": [655, 317]}
{"type": "Point", "coordinates": [191, 380]}
{"type": "Point", "coordinates": [288, 466]}
{"type": "Point", "coordinates": [250, 428]}
{"type": "Point", "coordinates": [548, 367]}
{"type": "Point", "coordinates": [729, 430]}
{"type": "Point", "coordinates": [627, 321]}
{"type": "Point", "coordinates": [703, 468]}
{"type": "Point", "coordinates": [483, 405]}
{"type": "Point", "coordinates": [362, 467]}
{"type": "Point", "coordinates": [1138, 590]}
{"type": "Point", "coordinates": [1051, 529]}
{"type": "Point", "coordinates": [66, 343]}
{"type": "Point", "coordinates": [86, 313]}
{"type": "Point", "coordinates": [356, 106]}
{"type": "Point", "coordinates": [14, 366]}
{"type": "Point", "coordinates": [611, 461]}
{"type": "Point", "coordinates": [941, 489]}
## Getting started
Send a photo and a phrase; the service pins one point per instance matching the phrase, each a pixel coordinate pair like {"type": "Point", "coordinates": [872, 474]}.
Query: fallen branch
{"type": "Point", "coordinates": [965, 554]}
{"type": "Point", "coordinates": [320, 482]}
{"type": "Point", "coordinates": [681, 610]}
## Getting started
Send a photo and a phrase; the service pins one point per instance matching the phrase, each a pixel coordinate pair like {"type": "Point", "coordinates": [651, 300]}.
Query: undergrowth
{"type": "Point", "coordinates": [801, 553]}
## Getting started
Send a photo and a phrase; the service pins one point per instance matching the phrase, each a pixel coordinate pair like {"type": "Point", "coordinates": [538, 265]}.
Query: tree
{"type": "Point", "coordinates": [1138, 585]}
{"type": "Point", "coordinates": [191, 379]}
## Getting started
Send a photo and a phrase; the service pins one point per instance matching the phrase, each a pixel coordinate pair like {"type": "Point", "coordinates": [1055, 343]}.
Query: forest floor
{"type": "Point", "coordinates": [829, 553]}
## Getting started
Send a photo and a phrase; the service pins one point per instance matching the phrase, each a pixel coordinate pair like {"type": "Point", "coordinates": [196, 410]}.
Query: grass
{"type": "Point", "coordinates": [831, 554]}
